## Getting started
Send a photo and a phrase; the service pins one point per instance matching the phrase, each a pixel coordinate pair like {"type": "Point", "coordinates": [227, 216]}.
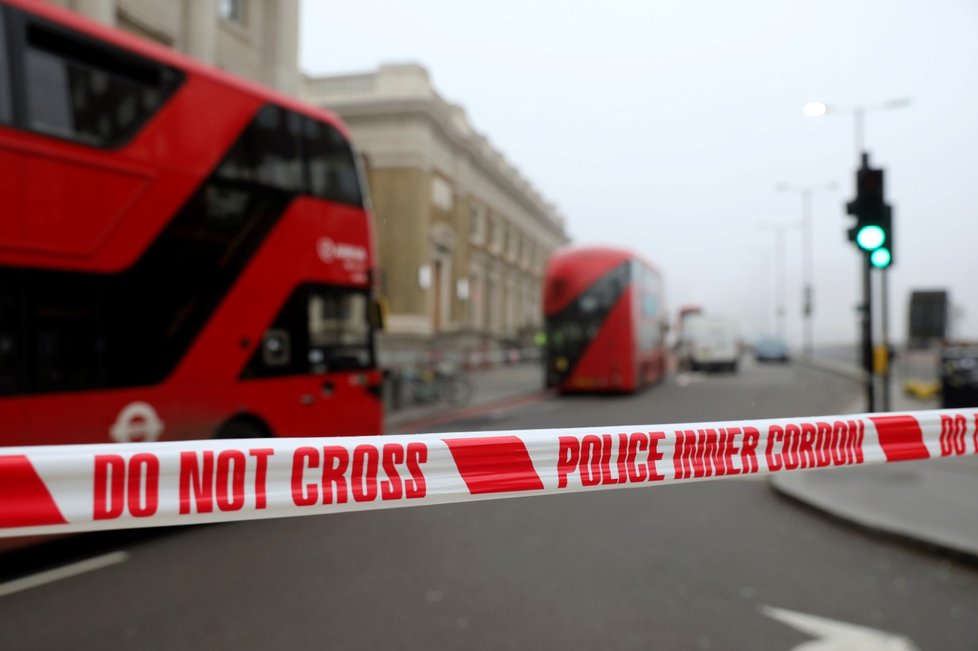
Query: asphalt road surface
{"type": "Point", "coordinates": [692, 566]}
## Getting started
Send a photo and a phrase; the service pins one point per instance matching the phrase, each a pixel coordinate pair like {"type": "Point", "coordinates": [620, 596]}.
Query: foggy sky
{"type": "Point", "coordinates": [663, 126]}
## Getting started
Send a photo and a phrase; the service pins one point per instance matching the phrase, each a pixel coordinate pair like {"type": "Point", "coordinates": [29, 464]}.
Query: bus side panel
{"type": "Point", "coordinates": [650, 350]}
{"type": "Point", "coordinates": [326, 405]}
{"type": "Point", "coordinates": [334, 404]}
{"type": "Point", "coordinates": [648, 323]}
{"type": "Point", "coordinates": [144, 414]}
{"type": "Point", "coordinates": [608, 363]}
{"type": "Point", "coordinates": [98, 210]}
{"type": "Point", "coordinates": [15, 424]}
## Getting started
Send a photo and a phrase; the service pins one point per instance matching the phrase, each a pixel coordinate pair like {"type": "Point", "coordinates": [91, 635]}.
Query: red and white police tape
{"type": "Point", "coordinates": [70, 488]}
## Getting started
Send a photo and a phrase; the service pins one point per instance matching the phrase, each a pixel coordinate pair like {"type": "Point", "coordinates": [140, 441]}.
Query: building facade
{"type": "Point", "coordinates": [257, 39]}
{"type": "Point", "coordinates": [462, 236]}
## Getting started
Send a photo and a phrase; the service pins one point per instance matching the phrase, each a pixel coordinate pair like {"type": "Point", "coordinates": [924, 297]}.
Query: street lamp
{"type": "Point", "coordinates": [857, 111]}
{"type": "Point", "coordinates": [807, 256]}
{"type": "Point", "coordinates": [779, 229]}
{"type": "Point", "coordinates": [881, 260]}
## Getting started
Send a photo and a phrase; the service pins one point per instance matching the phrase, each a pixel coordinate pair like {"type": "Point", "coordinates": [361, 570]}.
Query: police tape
{"type": "Point", "coordinates": [74, 488]}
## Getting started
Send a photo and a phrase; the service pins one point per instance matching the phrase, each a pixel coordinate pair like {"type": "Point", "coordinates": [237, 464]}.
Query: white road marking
{"type": "Point", "coordinates": [831, 635]}
{"type": "Point", "coordinates": [65, 572]}
{"type": "Point", "coordinates": [685, 379]}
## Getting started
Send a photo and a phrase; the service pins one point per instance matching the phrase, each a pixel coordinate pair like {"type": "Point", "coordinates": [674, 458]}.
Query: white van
{"type": "Point", "coordinates": [710, 343]}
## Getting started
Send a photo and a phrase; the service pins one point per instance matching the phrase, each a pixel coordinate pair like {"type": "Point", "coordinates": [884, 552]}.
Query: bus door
{"type": "Point", "coordinates": [317, 363]}
{"type": "Point", "coordinates": [13, 412]}
{"type": "Point", "coordinates": [335, 396]}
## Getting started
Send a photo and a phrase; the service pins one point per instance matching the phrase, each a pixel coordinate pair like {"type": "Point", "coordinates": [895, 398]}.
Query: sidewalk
{"type": "Point", "coordinates": [930, 503]}
{"type": "Point", "coordinates": [497, 386]}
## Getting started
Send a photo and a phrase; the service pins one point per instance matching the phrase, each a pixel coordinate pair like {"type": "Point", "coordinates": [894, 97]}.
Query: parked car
{"type": "Point", "coordinates": [771, 349]}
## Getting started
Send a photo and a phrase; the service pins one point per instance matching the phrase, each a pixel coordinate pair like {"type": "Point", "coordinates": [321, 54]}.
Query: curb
{"type": "Point", "coordinates": [451, 414]}
{"type": "Point", "coordinates": [875, 529]}
{"type": "Point", "coordinates": [842, 369]}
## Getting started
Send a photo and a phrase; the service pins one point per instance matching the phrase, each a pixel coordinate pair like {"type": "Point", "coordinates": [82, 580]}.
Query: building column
{"type": "Point", "coordinates": [476, 300]}
{"type": "Point", "coordinates": [281, 36]}
{"type": "Point", "coordinates": [101, 10]}
{"type": "Point", "coordinates": [200, 27]}
{"type": "Point", "coordinates": [442, 291]}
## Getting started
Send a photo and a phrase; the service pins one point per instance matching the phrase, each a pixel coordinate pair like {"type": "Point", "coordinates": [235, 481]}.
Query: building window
{"type": "Point", "coordinates": [497, 235]}
{"type": "Point", "coordinates": [476, 299]}
{"type": "Point", "coordinates": [233, 10]}
{"type": "Point", "coordinates": [477, 224]}
{"type": "Point", "coordinates": [512, 244]}
{"type": "Point", "coordinates": [441, 194]}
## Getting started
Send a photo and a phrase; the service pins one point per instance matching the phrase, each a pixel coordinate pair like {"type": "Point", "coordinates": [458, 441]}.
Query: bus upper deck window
{"type": "Point", "coordinates": [5, 110]}
{"type": "Point", "coordinates": [90, 92]}
{"type": "Point", "coordinates": [332, 167]}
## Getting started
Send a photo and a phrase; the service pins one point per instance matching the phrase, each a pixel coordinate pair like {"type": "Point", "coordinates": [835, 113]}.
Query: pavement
{"type": "Point", "coordinates": [499, 387]}
{"type": "Point", "coordinates": [926, 503]}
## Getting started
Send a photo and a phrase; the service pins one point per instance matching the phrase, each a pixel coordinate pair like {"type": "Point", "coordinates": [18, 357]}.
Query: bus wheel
{"type": "Point", "coordinates": [243, 427]}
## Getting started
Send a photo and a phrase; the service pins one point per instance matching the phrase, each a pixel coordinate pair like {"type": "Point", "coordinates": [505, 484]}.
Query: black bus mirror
{"type": "Point", "coordinates": [378, 313]}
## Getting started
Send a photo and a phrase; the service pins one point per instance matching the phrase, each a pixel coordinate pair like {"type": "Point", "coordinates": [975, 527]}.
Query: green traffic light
{"type": "Point", "coordinates": [880, 258]}
{"type": "Point", "coordinates": [870, 238]}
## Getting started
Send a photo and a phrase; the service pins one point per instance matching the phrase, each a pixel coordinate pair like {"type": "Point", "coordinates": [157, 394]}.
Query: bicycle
{"type": "Point", "coordinates": [432, 385]}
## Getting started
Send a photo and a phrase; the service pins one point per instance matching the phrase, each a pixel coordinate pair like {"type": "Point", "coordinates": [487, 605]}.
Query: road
{"type": "Point", "coordinates": [690, 566]}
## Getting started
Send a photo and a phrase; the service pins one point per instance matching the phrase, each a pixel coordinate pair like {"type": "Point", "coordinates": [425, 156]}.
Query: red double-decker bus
{"type": "Point", "coordinates": [605, 320]}
{"type": "Point", "coordinates": [182, 254]}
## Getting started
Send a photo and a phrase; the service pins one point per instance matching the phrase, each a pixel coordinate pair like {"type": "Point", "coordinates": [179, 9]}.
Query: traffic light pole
{"type": "Point", "coordinates": [867, 328]}
{"type": "Point", "coordinates": [885, 330]}
{"type": "Point", "coordinates": [807, 298]}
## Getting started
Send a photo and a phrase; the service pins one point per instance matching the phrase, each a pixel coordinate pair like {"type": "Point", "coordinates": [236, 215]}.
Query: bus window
{"type": "Point", "coordinates": [9, 342]}
{"type": "Point", "coordinates": [339, 330]}
{"type": "Point", "coordinates": [268, 154]}
{"type": "Point", "coordinates": [321, 329]}
{"type": "Point", "coordinates": [5, 108]}
{"type": "Point", "coordinates": [67, 343]}
{"type": "Point", "coordinates": [90, 93]}
{"type": "Point", "coordinates": [332, 169]}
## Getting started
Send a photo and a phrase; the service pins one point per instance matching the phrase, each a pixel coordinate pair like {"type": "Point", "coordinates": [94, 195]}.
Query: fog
{"type": "Point", "coordinates": [664, 126]}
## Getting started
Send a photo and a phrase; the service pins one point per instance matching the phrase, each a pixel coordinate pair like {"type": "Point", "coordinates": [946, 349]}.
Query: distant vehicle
{"type": "Point", "coordinates": [685, 312]}
{"type": "Point", "coordinates": [710, 343]}
{"type": "Point", "coordinates": [182, 254]}
{"type": "Point", "coordinates": [605, 320]}
{"type": "Point", "coordinates": [771, 349]}
{"type": "Point", "coordinates": [929, 322]}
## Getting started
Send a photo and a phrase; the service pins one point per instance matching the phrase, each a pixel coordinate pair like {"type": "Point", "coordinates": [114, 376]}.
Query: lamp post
{"type": "Point", "coordinates": [807, 255]}
{"type": "Point", "coordinates": [779, 229]}
{"type": "Point", "coordinates": [858, 112]}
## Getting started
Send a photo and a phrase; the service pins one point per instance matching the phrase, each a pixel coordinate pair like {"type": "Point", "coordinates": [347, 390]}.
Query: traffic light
{"type": "Point", "coordinates": [873, 231]}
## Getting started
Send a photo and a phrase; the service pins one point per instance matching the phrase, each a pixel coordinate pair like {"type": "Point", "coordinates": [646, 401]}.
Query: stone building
{"type": "Point", "coordinates": [257, 39]}
{"type": "Point", "coordinates": [462, 236]}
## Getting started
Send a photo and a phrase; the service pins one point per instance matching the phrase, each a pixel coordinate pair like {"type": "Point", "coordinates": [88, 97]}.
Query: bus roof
{"type": "Point", "coordinates": [571, 270]}
{"type": "Point", "coordinates": [596, 254]}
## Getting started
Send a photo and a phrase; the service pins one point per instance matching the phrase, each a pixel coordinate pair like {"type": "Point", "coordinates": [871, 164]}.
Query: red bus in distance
{"type": "Point", "coordinates": [605, 321]}
{"type": "Point", "coordinates": [182, 254]}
